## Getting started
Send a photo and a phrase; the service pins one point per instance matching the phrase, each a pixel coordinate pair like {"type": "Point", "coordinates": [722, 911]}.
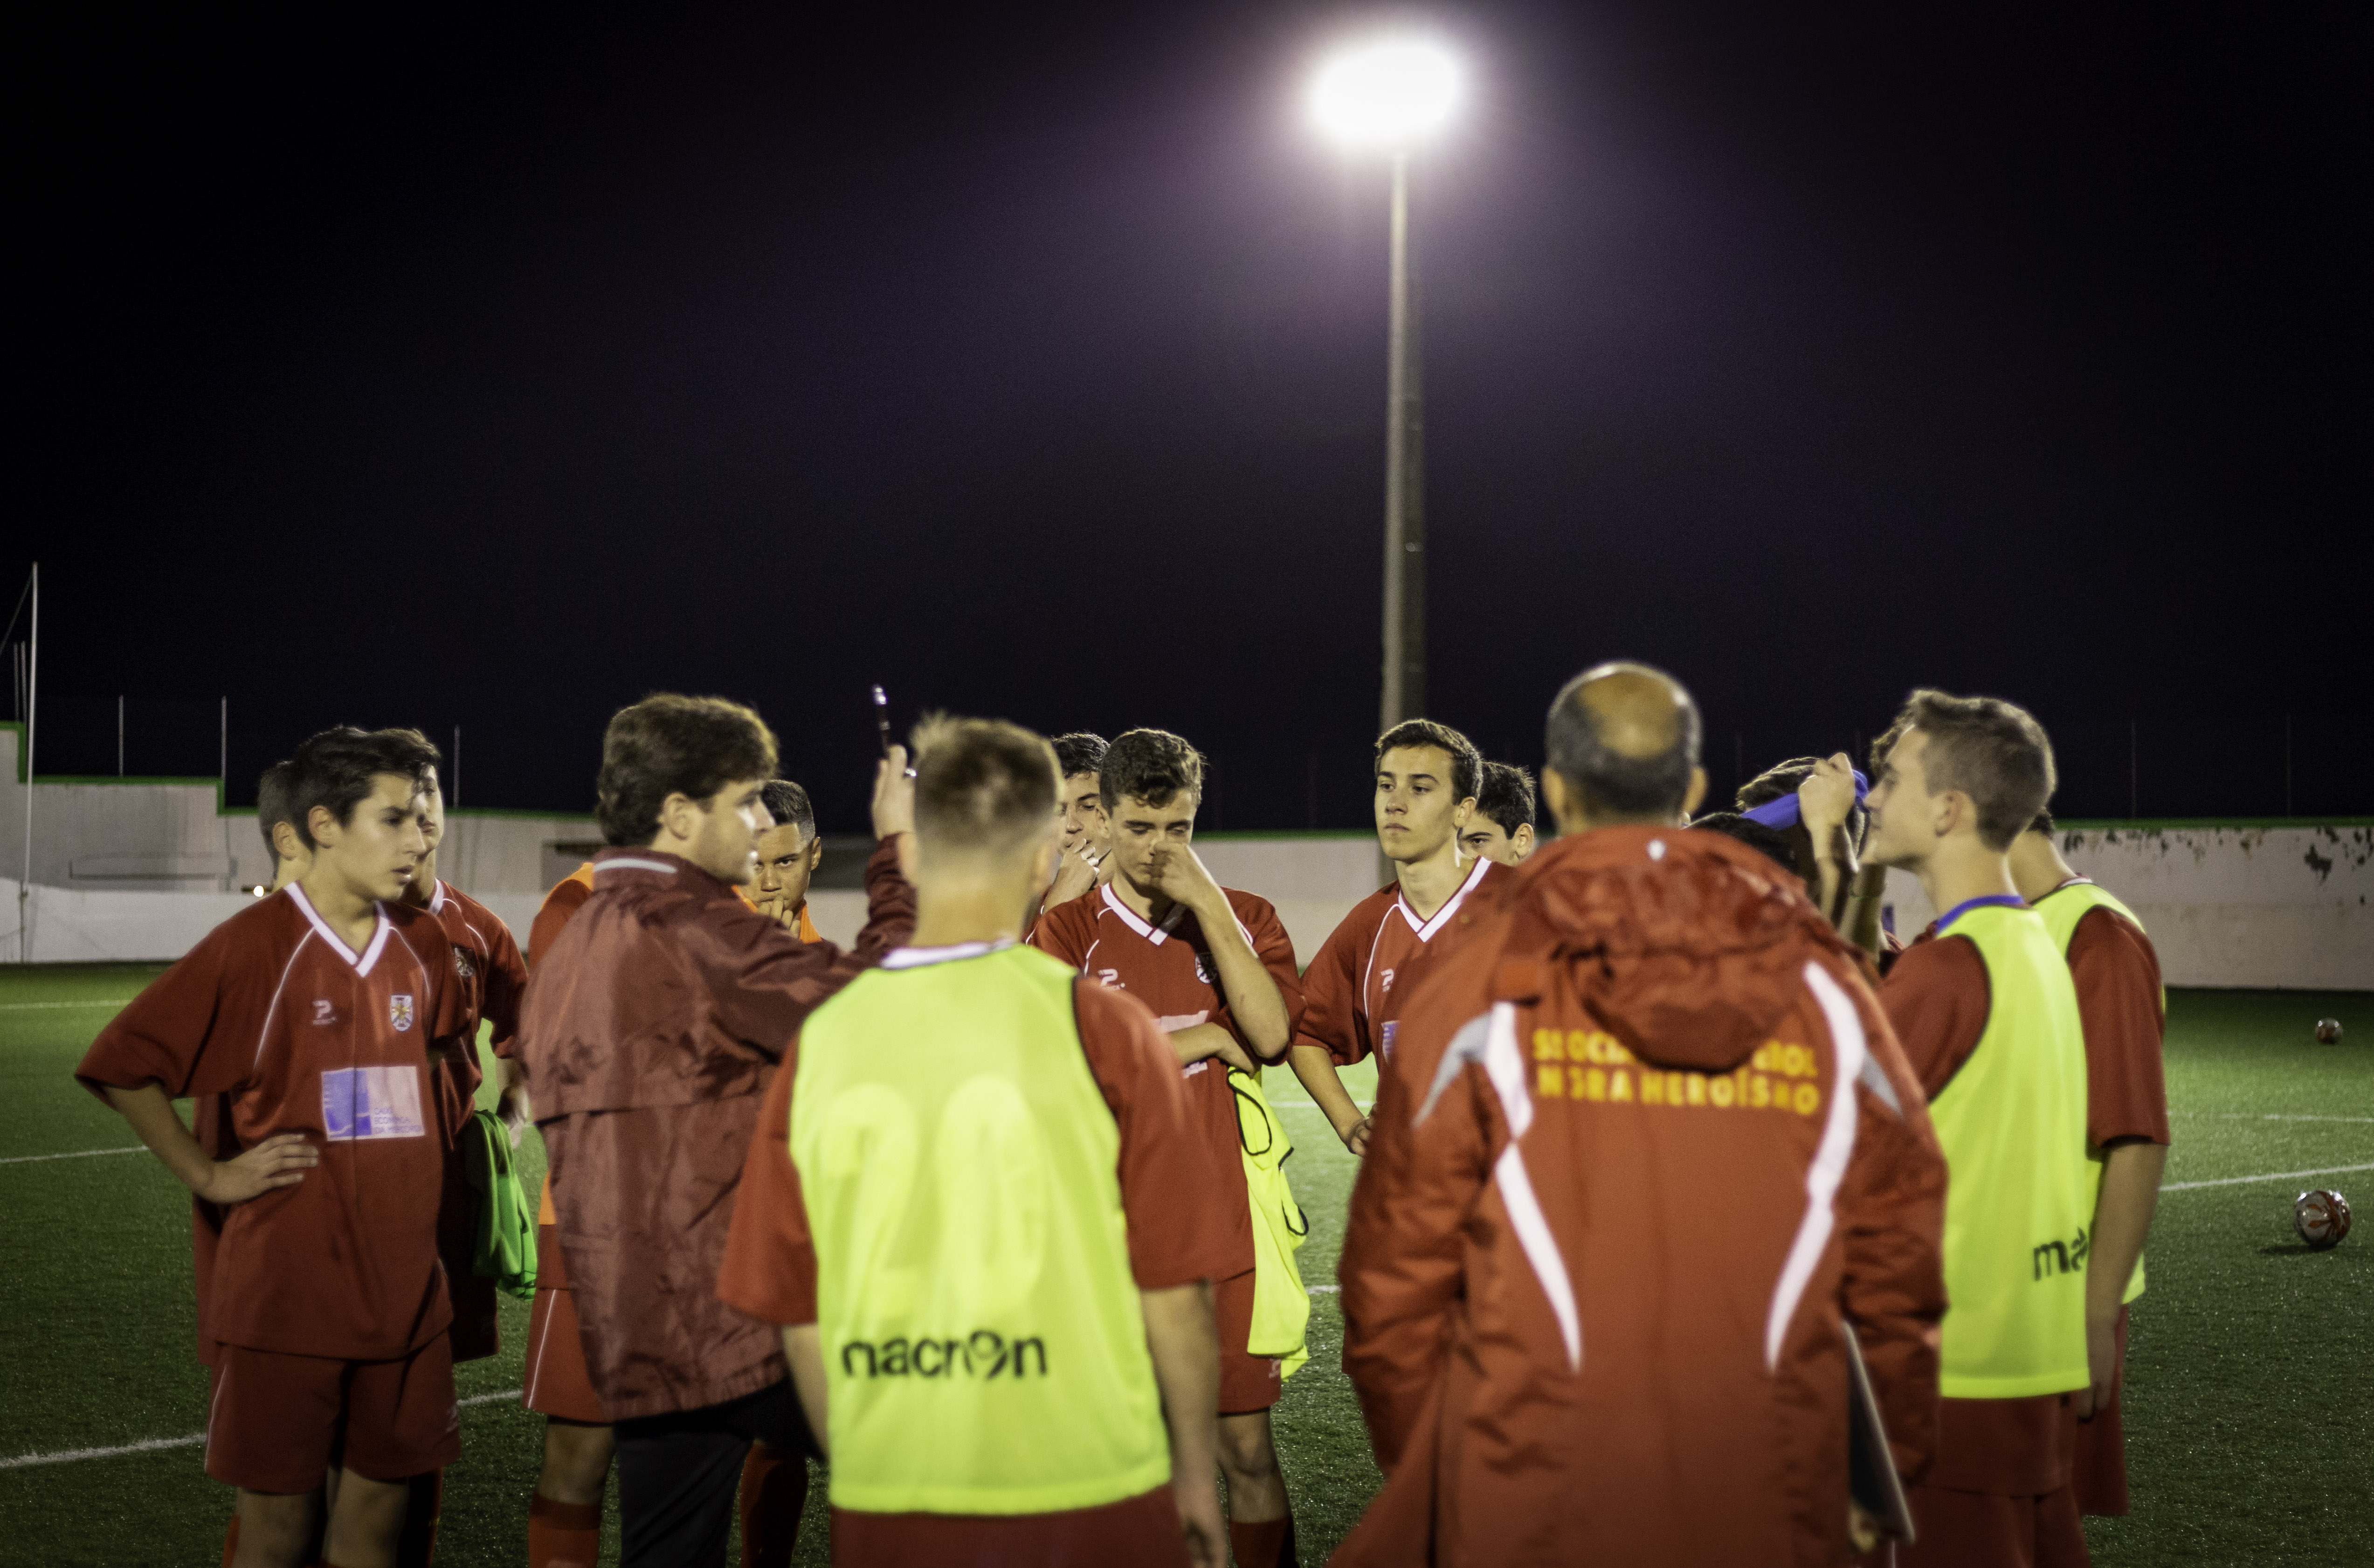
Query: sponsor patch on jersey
{"type": "Point", "coordinates": [462, 961]}
{"type": "Point", "coordinates": [399, 1011]}
{"type": "Point", "coordinates": [1386, 1047]}
{"type": "Point", "coordinates": [362, 1103]}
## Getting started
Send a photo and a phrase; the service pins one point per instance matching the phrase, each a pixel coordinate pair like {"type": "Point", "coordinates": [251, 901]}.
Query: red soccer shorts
{"type": "Point", "coordinates": [274, 1421]}
{"type": "Point", "coordinates": [1247, 1382]}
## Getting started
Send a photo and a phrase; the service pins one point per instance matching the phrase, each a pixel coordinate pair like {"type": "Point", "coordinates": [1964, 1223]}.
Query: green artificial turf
{"type": "Point", "coordinates": [2250, 1403]}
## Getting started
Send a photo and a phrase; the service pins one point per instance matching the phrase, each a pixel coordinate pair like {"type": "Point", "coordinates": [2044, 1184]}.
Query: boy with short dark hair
{"type": "Point", "coordinates": [303, 1026]}
{"type": "Point", "coordinates": [1502, 828]}
{"type": "Point", "coordinates": [1425, 782]}
{"type": "Point", "coordinates": [1216, 968]}
{"type": "Point", "coordinates": [651, 1029]}
{"type": "Point", "coordinates": [789, 854]}
{"type": "Point", "coordinates": [1087, 833]}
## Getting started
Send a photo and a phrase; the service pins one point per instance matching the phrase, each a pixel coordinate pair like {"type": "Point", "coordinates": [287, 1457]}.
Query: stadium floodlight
{"type": "Point", "coordinates": [1385, 93]}
{"type": "Point", "coordinates": [1388, 94]}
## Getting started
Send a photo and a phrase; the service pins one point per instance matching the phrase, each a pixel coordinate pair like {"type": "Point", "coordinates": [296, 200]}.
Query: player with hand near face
{"type": "Point", "coordinates": [789, 854]}
{"type": "Point", "coordinates": [1502, 826]}
{"type": "Point", "coordinates": [1426, 782]}
{"type": "Point", "coordinates": [1988, 1013]}
{"type": "Point", "coordinates": [1217, 969]}
{"type": "Point", "coordinates": [1082, 864]}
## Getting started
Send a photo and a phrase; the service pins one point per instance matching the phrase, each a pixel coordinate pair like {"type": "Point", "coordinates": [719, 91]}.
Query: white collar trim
{"type": "Point", "coordinates": [923, 958]}
{"type": "Point", "coordinates": [1427, 928]}
{"type": "Point", "coordinates": [337, 944]}
{"type": "Point", "coordinates": [437, 898]}
{"type": "Point", "coordinates": [626, 863]}
{"type": "Point", "coordinates": [1156, 935]}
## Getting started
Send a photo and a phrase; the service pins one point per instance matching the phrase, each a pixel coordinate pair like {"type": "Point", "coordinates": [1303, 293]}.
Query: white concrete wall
{"type": "Point", "coordinates": [175, 838]}
{"type": "Point", "coordinates": [2284, 907]}
{"type": "Point", "coordinates": [142, 871]}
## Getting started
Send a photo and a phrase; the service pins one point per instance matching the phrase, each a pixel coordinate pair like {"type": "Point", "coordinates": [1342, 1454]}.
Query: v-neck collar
{"type": "Point", "coordinates": [362, 966]}
{"type": "Point", "coordinates": [1427, 928]}
{"type": "Point", "coordinates": [1158, 935]}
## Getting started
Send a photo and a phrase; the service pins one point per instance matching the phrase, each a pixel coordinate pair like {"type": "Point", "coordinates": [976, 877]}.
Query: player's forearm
{"type": "Point", "coordinates": [149, 1111]}
{"type": "Point", "coordinates": [1199, 1042]}
{"type": "Point", "coordinates": [803, 1348]}
{"type": "Point", "coordinates": [1183, 1340]}
{"type": "Point", "coordinates": [1861, 925]}
{"type": "Point", "coordinates": [1316, 1070]}
{"type": "Point", "coordinates": [2123, 1217]}
{"type": "Point", "coordinates": [1253, 999]}
{"type": "Point", "coordinates": [890, 898]}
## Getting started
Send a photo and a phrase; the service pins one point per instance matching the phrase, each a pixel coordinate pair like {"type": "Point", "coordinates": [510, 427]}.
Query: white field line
{"type": "Point", "coordinates": [27, 1006]}
{"type": "Point", "coordinates": [73, 1455]}
{"type": "Point", "coordinates": [75, 1154]}
{"type": "Point", "coordinates": [2263, 1177]}
{"type": "Point", "coordinates": [2266, 1117]}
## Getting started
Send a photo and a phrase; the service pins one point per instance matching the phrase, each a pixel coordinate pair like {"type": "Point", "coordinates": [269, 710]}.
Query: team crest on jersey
{"type": "Point", "coordinates": [399, 1011]}
{"type": "Point", "coordinates": [462, 960]}
{"type": "Point", "coordinates": [1199, 969]}
{"type": "Point", "coordinates": [324, 1013]}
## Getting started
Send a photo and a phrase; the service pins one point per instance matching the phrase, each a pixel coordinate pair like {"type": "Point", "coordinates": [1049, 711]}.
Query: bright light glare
{"type": "Point", "coordinates": [1388, 93]}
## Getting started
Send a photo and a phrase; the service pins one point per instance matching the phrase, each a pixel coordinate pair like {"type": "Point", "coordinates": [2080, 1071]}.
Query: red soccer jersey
{"type": "Point", "coordinates": [1169, 968]}
{"type": "Point", "coordinates": [489, 979]}
{"type": "Point", "coordinates": [277, 1026]}
{"type": "Point", "coordinates": [1349, 989]}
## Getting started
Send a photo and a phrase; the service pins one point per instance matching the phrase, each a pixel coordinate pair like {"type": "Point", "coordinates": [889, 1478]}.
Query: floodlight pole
{"type": "Point", "coordinates": [1404, 619]}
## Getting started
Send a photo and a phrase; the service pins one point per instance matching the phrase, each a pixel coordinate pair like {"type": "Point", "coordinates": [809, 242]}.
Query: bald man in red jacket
{"type": "Point", "coordinates": [1647, 1145]}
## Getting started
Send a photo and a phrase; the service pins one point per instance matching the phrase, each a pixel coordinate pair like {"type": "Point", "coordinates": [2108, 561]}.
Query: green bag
{"type": "Point", "coordinates": [1281, 1307]}
{"type": "Point", "coordinates": [502, 1246]}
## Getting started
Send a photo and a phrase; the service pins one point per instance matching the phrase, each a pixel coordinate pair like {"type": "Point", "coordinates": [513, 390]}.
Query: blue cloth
{"type": "Point", "coordinates": [1951, 916]}
{"type": "Point", "coordinates": [1783, 813]}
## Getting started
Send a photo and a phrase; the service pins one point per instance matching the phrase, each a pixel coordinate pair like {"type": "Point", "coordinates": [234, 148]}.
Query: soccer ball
{"type": "Point", "coordinates": [2328, 1031]}
{"type": "Point", "coordinates": [2321, 1217]}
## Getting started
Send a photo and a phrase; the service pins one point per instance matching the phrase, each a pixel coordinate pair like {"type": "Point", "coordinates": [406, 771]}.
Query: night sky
{"type": "Point", "coordinates": [1032, 363]}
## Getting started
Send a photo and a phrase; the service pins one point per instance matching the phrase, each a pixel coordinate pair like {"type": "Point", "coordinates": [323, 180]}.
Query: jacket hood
{"type": "Point", "coordinates": [1687, 946]}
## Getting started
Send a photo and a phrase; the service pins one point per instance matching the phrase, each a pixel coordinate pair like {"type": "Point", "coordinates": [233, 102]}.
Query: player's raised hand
{"type": "Point", "coordinates": [1181, 876]}
{"type": "Point", "coordinates": [1828, 795]}
{"type": "Point", "coordinates": [894, 794]}
{"type": "Point", "coordinates": [1075, 874]}
{"type": "Point", "coordinates": [280, 1160]}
